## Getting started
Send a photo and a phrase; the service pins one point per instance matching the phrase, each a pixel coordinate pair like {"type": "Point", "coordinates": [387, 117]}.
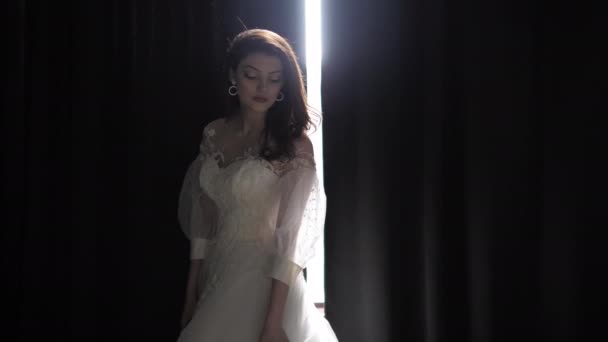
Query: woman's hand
{"type": "Point", "coordinates": [273, 333]}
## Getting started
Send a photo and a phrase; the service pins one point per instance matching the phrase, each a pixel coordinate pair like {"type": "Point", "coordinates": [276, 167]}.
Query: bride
{"type": "Point", "coordinates": [251, 206]}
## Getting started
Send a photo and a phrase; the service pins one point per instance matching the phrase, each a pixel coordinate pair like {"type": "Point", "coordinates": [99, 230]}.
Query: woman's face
{"type": "Point", "coordinates": [259, 79]}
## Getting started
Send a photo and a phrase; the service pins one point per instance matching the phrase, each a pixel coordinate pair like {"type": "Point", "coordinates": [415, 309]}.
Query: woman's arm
{"type": "Point", "coordinates": [295, 238]}
{"type": "Point", "coordinates": [276, 306]}
{"type": "Point", "coordinates": [191, 292]}
{"type": "Point", "coordinates": [273, 325]}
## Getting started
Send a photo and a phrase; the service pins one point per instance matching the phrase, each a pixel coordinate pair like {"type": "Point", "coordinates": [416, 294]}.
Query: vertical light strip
{"type": "Point", "coordinates": [316, 269]}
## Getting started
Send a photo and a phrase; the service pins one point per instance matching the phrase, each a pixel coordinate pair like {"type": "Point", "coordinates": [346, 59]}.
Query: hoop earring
{"type": "Point", "coordinates": [281, 97]}
{"type": "Point", "coordinates": [233, 90]}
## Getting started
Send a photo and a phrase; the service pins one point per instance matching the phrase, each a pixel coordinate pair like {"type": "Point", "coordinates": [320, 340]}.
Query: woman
{"type": "Point", "coordinates": [251, 206]}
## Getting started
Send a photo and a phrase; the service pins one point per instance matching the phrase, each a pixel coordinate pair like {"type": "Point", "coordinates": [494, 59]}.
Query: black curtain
{"type": "Point", "coordinates": [463, 155]}
{"type": "Point", "coordinates": [104, 104]}
{"type": "Point", "coordinates": [462, 164]}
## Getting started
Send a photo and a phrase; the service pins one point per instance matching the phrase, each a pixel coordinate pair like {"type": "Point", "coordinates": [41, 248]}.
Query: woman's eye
{"type": "Point", "coordinates": [251, 77]}
{"type": "Point", "coordinates": [275, 81]}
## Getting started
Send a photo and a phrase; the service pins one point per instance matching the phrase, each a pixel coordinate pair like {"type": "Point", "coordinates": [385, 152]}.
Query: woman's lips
{"type": "Point", "coordinates": [260, 99]}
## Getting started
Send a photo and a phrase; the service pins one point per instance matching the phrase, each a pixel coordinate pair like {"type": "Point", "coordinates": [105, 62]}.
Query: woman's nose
{"type": "Point", "coordinates": [262, 85]}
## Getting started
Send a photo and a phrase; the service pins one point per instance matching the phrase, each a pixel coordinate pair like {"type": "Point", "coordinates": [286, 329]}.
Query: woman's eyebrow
{"type": "Point", "coordinates": [252, 67]}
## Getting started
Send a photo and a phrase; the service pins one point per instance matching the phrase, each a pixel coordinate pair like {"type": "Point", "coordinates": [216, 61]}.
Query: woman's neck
{"type": "Point", "coordinates": [248, 124]}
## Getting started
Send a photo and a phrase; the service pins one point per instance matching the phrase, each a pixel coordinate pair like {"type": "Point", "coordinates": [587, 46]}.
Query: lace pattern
{"type": "Point", "coordinates": [208, 148]}
{"type": "Point", "coordinates": [286, 206]}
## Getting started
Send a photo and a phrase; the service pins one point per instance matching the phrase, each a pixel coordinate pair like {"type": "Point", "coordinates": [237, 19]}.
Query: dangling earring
{"type": "Point", "coordinates": [281, 97]}
{"type": "Point", "coordinates": [233, 90]}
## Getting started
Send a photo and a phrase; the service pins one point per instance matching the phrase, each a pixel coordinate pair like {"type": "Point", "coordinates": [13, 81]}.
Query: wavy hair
{"type": "Point", "coordinates": [285, 120]}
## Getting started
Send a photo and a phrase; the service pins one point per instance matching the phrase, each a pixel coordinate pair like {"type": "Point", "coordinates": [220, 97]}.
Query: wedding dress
{"type": "Point", "coordinates": [251, 220]}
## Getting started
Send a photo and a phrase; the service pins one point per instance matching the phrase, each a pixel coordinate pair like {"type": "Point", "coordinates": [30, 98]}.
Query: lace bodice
{"type": "Point", "coordinates": [277, 206]}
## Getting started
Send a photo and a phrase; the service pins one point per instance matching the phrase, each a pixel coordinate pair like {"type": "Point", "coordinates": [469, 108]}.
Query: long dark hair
{"type": "Point", "coordinates": [285, 120]}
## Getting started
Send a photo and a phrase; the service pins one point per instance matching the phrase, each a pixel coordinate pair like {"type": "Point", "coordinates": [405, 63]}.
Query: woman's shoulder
{"type": "Point", "coordinates": [303, 146]}
{"type": "Point", "coordinates": [214, 127]}
{"type": "Point", "coordinates": [211, 131]}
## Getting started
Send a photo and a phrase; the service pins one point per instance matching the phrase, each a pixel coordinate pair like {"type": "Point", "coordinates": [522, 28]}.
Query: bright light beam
{"type": "Point", "coordinates": [315, 270]}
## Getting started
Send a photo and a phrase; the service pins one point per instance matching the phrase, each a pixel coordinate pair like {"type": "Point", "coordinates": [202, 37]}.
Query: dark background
{"type": "Point", "coordinates": [462, 151]}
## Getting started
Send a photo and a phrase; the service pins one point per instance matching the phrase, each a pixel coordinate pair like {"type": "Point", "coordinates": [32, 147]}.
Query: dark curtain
{"type": "Point", "coordinates": [462, 164]}
{"type": "Point", "coordinates": [463, 155]}
{"type": "Point", "coordinates": [103, 107]}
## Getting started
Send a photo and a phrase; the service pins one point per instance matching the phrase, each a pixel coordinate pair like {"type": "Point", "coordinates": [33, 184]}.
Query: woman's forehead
{"type": "Point", "coordinates": [262, 62]}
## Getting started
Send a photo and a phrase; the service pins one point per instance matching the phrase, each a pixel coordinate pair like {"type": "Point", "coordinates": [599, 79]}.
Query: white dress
{"type": "Point", "coordinates": [251, 220]}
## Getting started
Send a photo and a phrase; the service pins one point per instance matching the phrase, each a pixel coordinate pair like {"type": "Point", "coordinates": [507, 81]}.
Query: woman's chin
{"type": "Point", "coordinates": [258, 107]}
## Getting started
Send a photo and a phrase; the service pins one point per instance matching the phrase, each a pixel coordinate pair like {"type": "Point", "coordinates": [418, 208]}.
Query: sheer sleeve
{"type": "Point", "coordinates": [197, 213]}
{"type": "Point", "coordinates": [301, 215]}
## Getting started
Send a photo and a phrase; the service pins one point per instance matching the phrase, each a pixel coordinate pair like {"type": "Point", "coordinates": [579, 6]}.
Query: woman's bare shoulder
{"type": "Point", "coordinates": [303, 145]}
